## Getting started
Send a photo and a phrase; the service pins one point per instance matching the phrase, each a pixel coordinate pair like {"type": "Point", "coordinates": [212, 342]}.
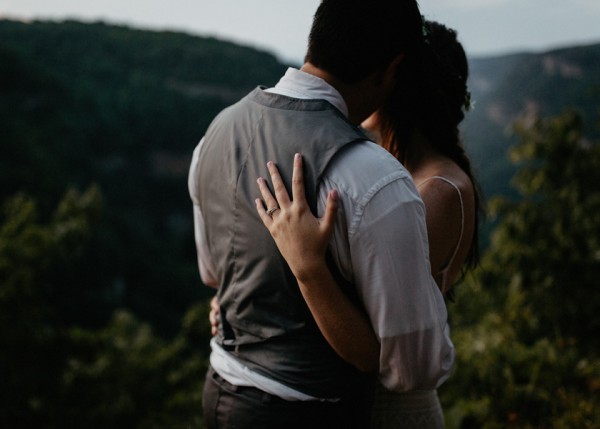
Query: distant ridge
{"type": "Point", "coordinates": [137, 101]}
{"type": "Point", "coordinates": [511, 86]}
{"type": "Point", "coordinates": [84, 104]}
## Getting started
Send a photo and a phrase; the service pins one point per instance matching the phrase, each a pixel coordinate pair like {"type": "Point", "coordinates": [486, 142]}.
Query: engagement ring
{"type": "Point", "coordinates": [272, 210]}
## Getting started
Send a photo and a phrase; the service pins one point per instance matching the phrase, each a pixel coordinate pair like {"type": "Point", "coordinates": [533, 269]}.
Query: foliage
{"type": "Point", "coordinates": [124, 376]}
{"type": "Point", "coordinates": [93, 293]}
{"type": "Point", "coordinates": [504, 88]}
{"type": "Point", "coordinates": [59, 376]}
{"type": "Point", "coordinates": [30, 252]}
{"type": "Point", "coordinates": [123, 108]}
{"type": "Point", "coordinates": [102, 315]}
{"type": "Point", "coordinates": [527, 323]}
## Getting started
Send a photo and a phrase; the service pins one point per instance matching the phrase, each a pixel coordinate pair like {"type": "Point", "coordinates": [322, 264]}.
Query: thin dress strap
{"type": "Point", "coordinates": [444, 271]}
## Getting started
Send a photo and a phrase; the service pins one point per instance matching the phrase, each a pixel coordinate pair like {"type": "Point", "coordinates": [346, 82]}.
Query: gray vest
{"type": "Point", "coordinates": [264, 319]}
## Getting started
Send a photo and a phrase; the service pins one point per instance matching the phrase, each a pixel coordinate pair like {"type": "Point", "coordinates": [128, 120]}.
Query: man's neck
{"type": "Point", "coordinates": [320, 73]}
{"type": "Point", "coordinates": [362, 97]}
{"type": "Point", "coordinates": [354, 95]}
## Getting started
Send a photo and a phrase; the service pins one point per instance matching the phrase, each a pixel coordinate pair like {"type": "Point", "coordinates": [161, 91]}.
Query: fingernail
{"type": "Point", "coordinates": [297, 156]}
{"type": "Point", "coordinates": [270, 164]}
{"type": "Point", "coordinates": [334, 195]}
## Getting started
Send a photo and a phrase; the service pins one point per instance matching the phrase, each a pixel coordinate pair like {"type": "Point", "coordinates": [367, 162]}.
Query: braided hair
{"type": "Point", "coordinates": [430, 99]}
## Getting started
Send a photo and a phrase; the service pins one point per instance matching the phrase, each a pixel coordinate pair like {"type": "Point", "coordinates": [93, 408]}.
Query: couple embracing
{"type": "Point", "coordinates": [338, 321]}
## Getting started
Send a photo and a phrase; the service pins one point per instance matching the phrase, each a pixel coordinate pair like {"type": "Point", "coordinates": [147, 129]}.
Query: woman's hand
{"type": "Point", "coordinates": [213, 316]}
{"type": "Point", "coordinates": [301, 238]}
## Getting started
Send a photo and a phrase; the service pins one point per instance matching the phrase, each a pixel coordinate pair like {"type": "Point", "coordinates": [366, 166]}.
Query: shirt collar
{"type": "Point", "coordinates": [298, 84]}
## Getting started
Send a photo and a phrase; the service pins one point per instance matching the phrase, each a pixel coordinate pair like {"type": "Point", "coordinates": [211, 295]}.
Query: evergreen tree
{"type": "Point", "coordinates": [526, 325]}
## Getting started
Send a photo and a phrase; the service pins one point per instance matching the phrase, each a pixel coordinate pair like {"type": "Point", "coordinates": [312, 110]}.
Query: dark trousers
{"type": "Point", "coordinates": [227, 407]}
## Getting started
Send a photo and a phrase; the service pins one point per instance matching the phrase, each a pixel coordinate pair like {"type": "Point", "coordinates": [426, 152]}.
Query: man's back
{"type": "Point", "coordinates": [355, 47]}
{"type": "Point", "coordinates": [265, 322]}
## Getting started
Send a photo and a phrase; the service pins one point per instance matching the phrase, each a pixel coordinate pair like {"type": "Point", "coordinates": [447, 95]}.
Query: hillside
{"type": "Point", "coordinates": [103, 318]}
{"type": "Point", "coordinates": [509, 87]}
{"type": "Point", "coordinates": [84, 104]}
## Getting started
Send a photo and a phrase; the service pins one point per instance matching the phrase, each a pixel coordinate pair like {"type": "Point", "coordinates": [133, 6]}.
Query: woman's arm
{"type": "Point", "coordinates": [303, 239]}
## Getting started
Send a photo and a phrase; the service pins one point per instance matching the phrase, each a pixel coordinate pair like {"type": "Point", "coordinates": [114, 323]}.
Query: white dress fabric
{"type": "Point", "coordinates": [418, 409]}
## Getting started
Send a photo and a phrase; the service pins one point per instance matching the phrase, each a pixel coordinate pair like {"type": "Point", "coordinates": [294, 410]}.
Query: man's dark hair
{"type": "Point", "coordinates": [353, 38]}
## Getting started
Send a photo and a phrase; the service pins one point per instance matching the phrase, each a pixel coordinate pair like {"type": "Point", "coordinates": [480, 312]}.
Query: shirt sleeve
{"type": "Point", "coordinates": [389, 252]}
{"type": "Point", "coordinates": [205, 262]}
{"type": "Point", "coordinates": [380, 244]}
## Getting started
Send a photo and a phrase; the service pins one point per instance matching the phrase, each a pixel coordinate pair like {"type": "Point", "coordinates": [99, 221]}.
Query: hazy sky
{"type": "Point", "coordinates": [485, 27]}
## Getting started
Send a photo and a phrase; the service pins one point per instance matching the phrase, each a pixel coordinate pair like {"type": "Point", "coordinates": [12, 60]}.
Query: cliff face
{"type": "Point", "coordinates": [507, 88]}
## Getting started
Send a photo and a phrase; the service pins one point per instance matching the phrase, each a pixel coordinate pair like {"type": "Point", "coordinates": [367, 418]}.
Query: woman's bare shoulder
{"type": "Point", "coordinates": [448, 195]}
{"type": "Point", "coordinates": [442, 180]}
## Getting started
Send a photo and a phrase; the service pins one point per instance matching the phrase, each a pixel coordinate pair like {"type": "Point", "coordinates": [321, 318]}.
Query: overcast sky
{"type": "Point", "coordinates": [486, 27]}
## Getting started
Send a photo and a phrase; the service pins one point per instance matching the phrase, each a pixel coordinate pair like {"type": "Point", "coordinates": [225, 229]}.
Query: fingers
{"type": "Point", "coordinates": [213, 323]}
{"type": "Point", "coordinates": [262, 212]}
{"type": "Point", "coordinates": [281, 198]}
{"type": "Point", "coordinates": [331, 207]}
{"type": "Point", "coordinates": [269, 199]}
{"type": "Point", "coordinates": [213, 316]}
{"type": "Point", "coordinates": [214, 304]}
{"type": "Point", "coordinates": [278, 186]}
{"type": "Point", "coordinates": [298, 180]}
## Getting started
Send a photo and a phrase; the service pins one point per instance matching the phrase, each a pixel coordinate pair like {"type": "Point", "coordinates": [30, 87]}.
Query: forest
{"type": "Point", "coordinates": [103, 317]}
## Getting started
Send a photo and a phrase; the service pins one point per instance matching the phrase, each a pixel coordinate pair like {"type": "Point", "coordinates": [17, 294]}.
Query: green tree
{"type": "Point", "coordinates": [59, 375]}
{"type": "Point", "coordinates": [123, 376]}
{"type": "Point", "coordinates": [31, 251]}
{"type": "Point", "coordinates": [526, 324]}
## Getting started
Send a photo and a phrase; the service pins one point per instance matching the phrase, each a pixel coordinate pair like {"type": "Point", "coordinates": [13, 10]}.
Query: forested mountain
{"type": "Point", "coordinates": [524, 85]}
{"type": "Point", "coordinates": [122, 108]}
{"type": "Point", "coordinates": [84, 104]}
{"type": "Point", "coordinates": [103, 317]}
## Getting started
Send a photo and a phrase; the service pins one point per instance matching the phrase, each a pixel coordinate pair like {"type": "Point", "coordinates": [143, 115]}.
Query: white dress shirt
{"type": "Point", "coordinates": [380, 244]}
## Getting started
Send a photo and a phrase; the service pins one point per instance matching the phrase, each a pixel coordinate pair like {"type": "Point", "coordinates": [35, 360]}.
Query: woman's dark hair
{"type": "Point", "coordinates": [353, 38]}
{"type": "Point", "coordinates": [430, 99]}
